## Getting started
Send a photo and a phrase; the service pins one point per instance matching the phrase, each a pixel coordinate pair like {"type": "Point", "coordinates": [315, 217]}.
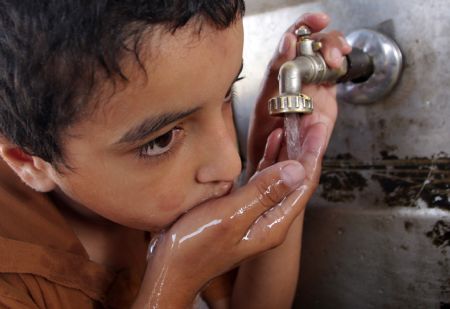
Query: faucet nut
{"type": "Point", "coordinates": [287, 104]}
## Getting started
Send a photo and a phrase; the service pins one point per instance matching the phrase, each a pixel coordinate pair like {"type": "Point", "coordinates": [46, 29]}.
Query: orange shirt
{"type": "Point", "coordinates": [42, 262]}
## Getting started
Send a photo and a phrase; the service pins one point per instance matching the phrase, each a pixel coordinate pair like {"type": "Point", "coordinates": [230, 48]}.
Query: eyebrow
{"type": "Point", "coordinates": [152, 125]}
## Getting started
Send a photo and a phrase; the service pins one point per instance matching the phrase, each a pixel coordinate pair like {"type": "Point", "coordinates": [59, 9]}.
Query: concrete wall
{"type": "Point", "coordinates": [377, 233]}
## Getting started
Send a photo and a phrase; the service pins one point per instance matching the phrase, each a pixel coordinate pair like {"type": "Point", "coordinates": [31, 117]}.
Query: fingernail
{"type": "Point", "coordinates": [284, 45]}
{"type": "Point", "coordinates": [293, 174]}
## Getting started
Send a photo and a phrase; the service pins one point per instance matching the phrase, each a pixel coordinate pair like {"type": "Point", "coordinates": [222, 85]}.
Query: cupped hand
{"type": "Point", "coordinates": [219, 234]}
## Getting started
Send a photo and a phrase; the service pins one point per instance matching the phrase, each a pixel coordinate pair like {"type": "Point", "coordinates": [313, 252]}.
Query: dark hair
{"type": "Point", "coordinates": [51, 53]}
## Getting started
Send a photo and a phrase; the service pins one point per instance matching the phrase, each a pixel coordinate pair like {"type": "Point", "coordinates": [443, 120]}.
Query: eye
{"type": "Point", "coordinates": [231, 94]}
{"type": "Point", "coordinates": [160, 145]}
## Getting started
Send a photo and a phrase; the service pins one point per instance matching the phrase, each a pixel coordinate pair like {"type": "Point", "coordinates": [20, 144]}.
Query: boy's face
{"type": "Point", "coordinates": [164, 143]}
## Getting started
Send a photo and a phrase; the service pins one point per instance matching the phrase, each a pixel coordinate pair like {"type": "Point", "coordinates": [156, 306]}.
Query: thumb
{"type": "Point", "coordinates": [286, 51]}
{"type": "Point", "coordinates": [265, 190]}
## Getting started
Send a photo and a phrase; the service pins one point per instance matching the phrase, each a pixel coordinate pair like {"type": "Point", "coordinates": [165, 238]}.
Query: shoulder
{"type": "Point", "coordinates": [40, 256]}
{"type": "Point", "coordinates": [30, 216]}
{"type": "Point", "coordinates": [29, 291]}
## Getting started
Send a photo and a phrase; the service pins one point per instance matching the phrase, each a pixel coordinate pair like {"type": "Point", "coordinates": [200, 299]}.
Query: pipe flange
{"type": "Point", "coordinates": [387, 60]}
{"type": "Point", "coordinates": [288, 104]}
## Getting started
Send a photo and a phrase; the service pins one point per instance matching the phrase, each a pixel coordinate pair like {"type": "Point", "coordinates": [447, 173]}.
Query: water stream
{"type": "Point", "coordinates": [293, 135]}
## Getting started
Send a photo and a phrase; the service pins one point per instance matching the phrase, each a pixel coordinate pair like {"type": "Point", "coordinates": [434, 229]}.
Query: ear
{"type": "Point", "coordinates": [33, 171]}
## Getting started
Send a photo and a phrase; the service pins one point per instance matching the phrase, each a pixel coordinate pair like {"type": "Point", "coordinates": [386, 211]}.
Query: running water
{"type": "Point", "coordinates": [292, 132]}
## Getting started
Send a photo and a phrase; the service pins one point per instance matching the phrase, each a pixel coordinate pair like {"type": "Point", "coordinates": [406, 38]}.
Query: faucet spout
{"type": "Point", "coordinates": [292, 74]}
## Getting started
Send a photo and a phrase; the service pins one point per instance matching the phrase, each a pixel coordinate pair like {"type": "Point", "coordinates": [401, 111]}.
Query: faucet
{"type": "Point", "coordinates": [310, 67]}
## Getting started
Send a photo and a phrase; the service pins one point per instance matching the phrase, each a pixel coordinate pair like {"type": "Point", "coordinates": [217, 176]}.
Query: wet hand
{"type": "Point", "coordinates": [218, 235]}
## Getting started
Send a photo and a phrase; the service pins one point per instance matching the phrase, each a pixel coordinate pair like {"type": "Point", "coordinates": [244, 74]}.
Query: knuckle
{"type": "Point", "coordinates": [333, 38]}
{"type": "Point", "coordinates": [337, 33]}
{"type": "Point", "coordinates": [325, 39]}
{"type": "Point", "coordinates": [269, 194]}
{"type": "Point", "coordinates": [223, 228]}
{"type": "Point", "coordinates": [228, 231]}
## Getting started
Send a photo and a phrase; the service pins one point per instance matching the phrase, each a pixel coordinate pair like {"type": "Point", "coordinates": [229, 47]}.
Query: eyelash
{"type": "Point", "coordinates": [177, 140]}
{"type": "Point", "coordinates": [231, 95]}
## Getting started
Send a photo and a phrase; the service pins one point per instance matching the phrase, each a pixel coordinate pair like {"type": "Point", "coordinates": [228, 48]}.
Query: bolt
{"type": "Point", "coordinates": [302, 31]}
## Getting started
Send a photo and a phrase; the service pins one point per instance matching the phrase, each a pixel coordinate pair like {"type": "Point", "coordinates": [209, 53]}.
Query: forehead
{"type": "Point", "coordinates": [174, 68]}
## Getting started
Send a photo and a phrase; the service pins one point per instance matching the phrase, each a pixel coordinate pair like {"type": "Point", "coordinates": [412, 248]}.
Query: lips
{"type": "Point", "coordinates": [218, 191]}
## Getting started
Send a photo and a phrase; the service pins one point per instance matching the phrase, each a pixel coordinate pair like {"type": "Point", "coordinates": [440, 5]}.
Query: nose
{"type": "Point", "coordinates": [221, 161]}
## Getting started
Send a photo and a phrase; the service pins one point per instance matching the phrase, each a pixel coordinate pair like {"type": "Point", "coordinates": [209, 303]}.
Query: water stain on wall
{"type": "Point", "coordinates": [440, 234]}
{"type": "Point", "coordinates": [410, 182]}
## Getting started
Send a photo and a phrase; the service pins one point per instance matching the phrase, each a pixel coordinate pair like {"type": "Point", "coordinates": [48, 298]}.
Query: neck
{"type": "Point", "coordinates": [75, 210]}
{"type": "Point", "coordinates": [106, 242]}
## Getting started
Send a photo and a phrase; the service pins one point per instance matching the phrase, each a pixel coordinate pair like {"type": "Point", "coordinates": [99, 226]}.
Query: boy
{"type": "Point", "coordinates": [118, 114]}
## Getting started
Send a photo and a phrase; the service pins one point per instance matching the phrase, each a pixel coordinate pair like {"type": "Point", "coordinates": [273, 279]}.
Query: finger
{"type": "Point", "coordinates": [315, 21]}
{"type": "Point", "coordinates": [270, 229]}
{"type": "Point", "coordinates": [287, 47]}
{"type": "Point", "coordinates": [314, 138]}
{"type": "Point", "coordinates": [321, 115]}
{"type": "Point", "coordinates": [286, 51]}
{"type": "Point", "coordinates": [265, 190]}
{"type": "Point", "coordinates": [334, 48]}
{"type": "Point", "coordinates": [312, 150]}
{"type": "Point", "coordinates": [272, 149]}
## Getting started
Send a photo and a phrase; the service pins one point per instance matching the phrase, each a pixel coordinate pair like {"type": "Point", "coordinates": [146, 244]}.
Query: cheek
{"type": "Point", "coordinates": [137, 203]}
{"type": "Point", "coordinates": [131, 193]}
{"type": "Point", "coordinates": [168, 202]}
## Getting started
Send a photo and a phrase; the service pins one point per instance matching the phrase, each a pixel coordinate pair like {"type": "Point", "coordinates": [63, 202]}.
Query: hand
{"type": "Point", "coordinates": [216, 236]}
{"type": "Point", "coordinates": [270, 280]}
{"type": "Point", "coordinates": [324, 96]}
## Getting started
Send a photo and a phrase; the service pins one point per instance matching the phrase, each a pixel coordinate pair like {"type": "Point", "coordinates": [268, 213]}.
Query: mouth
{"type": "Point", "coordinates": [218, 192]}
